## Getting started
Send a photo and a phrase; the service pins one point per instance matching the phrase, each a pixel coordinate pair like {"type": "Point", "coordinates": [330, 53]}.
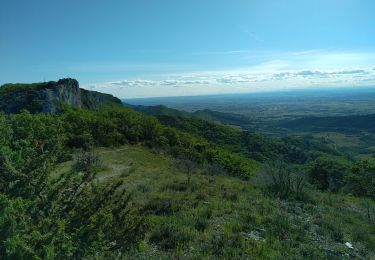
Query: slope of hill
{"type": "Point", "coordinates": [116, 183]}
{"type": "Point", "coordinates": [205, 114]}
{"type": "Point", "coordinates": [215, 216]}
{"type": "Point", "coordinates": [221, 117]}
{"type": "Point", "coordinates": [255, 145]}
{"type": "Point", "coordinates": [48, 97]}
{"type": "Point", "coordinates": [158, 110]}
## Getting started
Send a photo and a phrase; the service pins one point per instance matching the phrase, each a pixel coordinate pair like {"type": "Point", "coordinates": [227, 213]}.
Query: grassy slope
{"type": "Point", "coordinates": [360, 146]}
{"type": "Point", "coordinates": [225, 217]}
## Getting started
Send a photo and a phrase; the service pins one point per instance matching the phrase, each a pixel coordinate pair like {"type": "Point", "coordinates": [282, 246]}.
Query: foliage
{"type": "Point", "coordinates": [169, 236]}
{"type": "Point", "coordinates": [188, 165]}
{"type": "Point", "coordinates": [49, 96]}
{"type": "Point", "coordinates": [46, 216]}
{"type": "Point", "coordinates": [115, 125]}
{"type": "Point", "coordinates": [361, 180]}
{"type": "Point", "coordinates": [251, 144]}
{"type": "Point", "coordinates": [87, 161]}
{"type": "Point", "coordinates": [84, 210]}
{"type": "Point", "coordinates": [327, 174]}
{"type": "Point", "coordinates": [278, 179]}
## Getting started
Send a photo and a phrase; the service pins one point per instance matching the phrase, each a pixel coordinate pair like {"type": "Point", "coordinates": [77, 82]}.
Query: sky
{"type": "Point", "coordinates": [148, 48]}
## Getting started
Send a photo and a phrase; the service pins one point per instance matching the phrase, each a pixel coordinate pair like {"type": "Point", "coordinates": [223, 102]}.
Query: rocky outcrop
{"type": "Point", "coordinates": [48, 97]}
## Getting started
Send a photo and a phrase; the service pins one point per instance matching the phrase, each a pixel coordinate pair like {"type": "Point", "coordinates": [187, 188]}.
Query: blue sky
{"type": "Point", "coordinates": [177, 47]}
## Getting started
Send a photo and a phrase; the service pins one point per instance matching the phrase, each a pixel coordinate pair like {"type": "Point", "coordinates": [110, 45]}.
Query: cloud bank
{"type": "Point", "coordinates": [291, 70]}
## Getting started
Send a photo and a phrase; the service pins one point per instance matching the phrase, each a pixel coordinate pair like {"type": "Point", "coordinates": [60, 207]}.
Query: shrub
{"type": "Point", "coordinates": [278, 180]}
{"type": "Point", "coordinates": [327, 175]}
{"type": "Point", "coordinates": [202, 218]}
{"type": "Point", "coordinates": [332, 228]}
{"type": "Point", "coordinates": [187, 164]}
{"type": "Point", "coordinates": [361, 179]}
{"type": "Point", "coordinates": [169, 236]}
{"type": "Point", "coordinates": [228, 195]}
{"type": "Point", "coordinates": [175, 186]}
{"type": "Point", "coordinates": [70, 215]}
{"type": "Point", "coordinates": [201, 223]}
{"type": "Point", "coordinates": [215, 169]}
{"type": "Point", "coordinates": [224, 245]}
{"type": "Point", "coordinates": [161, 207]}
{"type": "Point", "coordinates": [86, 161]}
{"type": "Point", "coordinates": [280, 225]}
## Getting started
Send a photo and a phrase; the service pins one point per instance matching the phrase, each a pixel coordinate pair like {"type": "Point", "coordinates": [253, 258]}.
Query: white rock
{"type": "Point", "coordinates": [349, 245]}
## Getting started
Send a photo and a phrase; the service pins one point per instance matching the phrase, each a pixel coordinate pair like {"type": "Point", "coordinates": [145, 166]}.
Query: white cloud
{"type": "Point", "coordinates": [281, 71]}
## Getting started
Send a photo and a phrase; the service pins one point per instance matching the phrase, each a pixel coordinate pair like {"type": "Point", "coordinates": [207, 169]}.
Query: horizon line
{"type": "Point", "coordinates": [269, 91]}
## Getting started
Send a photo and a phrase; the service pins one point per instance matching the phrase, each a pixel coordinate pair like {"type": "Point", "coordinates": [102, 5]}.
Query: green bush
{"type": "Point", "coordinates": [86, 161]}
{"type": "Point", "coordinates": [161, 207]}
{"type": "Point", "coordinates": [332, 228]}
{"type": "Point", "coordinates": [327, 175]}
{"type": "Point", "coordinates": [169, 236]}
{"type": "Point", "coordinates": [361, 179]}
{"type": "Point", "coordinates": [64, 216]}
{"type": "Point", "coordinates": [280, 225]}
{"type": "Point", "coordinates": [224, 245]}
{"type": "Point", "coordinates": [201, 224]}
{"type": "Point", "coordinates": [278, 180]}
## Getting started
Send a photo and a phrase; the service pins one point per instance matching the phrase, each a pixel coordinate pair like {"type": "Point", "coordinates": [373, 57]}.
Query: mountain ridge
{"type": "Point", "coordinates": [48, 97]}
{"type": "Point", "coordinates": [204, 114]}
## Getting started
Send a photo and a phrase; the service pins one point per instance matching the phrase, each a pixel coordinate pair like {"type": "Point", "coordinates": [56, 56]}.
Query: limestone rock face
{"type": "Point", "coordinates": [48, 97]}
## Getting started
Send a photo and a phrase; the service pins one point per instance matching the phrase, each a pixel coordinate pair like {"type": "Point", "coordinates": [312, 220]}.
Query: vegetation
{"type": "Point", "coordinates": [338, 123]}
{"type": "Point", "coordinates": [219, 216]}
{"type": "Point", "coordinates": [341, 118]}
{"type": "Point", "coordinates": [116, 125]}
{"type": "Point", "coordinates": [361, 179]}
{"type": "Point", "coordinates": [66, 216]}
{"type": "Point", "coordinates": [47, 97]}
{"type": "Point", "coordinates": [279, 180]}
{"type": "Point", "coordinates": [205, 114]}
{"type": "Point", "coordinates": [295, 150]}
{"type": "Point", "coordinates": [115, 183]}
{"type": "Point", "coordinates": [327, 175]}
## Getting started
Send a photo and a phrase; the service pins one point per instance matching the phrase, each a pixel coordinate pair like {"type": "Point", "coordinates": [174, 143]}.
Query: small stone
{"type": "Point", "coordinates": [255, 235]}
{"type": "Point", "coordinates": [349, 245]}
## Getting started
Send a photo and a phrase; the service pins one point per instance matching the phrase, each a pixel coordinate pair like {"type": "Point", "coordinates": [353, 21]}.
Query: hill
{"type": "Point", "coordinates": [48, 97]}
{"type": "Point", "coordinates": [116, 183]}
{"type": "Point", "coordinates": [217, 216]}
{"type": "Point", "coordinates": [158, 110]}
{"type": "Point", "coordinates": [215, 127]}
{"type": "Point", "coordinates": [205, 114]}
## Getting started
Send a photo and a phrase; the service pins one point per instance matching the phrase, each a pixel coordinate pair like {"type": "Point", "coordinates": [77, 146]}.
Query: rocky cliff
{"type": "Point", "coordinates": [48, 97]}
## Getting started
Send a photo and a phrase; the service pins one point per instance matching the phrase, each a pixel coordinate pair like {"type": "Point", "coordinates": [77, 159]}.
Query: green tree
{"type": "Point", "coordinates": [71, 215]}
{"type": "Point", "coordinates": [327, 174]}
{"type": "Point", "coordinates": [361, 180]}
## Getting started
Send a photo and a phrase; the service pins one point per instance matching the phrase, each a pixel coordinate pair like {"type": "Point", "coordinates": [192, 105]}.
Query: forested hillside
{"type": "Point", "coordinates": [110, 182]}
{"type": "Point", "coordinates": [205, 114]}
